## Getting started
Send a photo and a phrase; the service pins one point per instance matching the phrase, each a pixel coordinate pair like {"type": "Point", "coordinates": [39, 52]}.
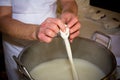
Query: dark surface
{"type": "Point", "coordinates": [113, 5]}
{"type": "Point", "coordinates": [3, 75]}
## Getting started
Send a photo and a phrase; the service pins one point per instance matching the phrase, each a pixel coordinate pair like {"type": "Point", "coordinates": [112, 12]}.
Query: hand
{"type": "Point", "coordinates": [49, 29]}
{"type": "Point", "coordinates": [73, 23]}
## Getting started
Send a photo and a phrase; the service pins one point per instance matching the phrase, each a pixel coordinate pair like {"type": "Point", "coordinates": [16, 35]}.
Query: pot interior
{"type": "Point", "coordinates": [81, 48]}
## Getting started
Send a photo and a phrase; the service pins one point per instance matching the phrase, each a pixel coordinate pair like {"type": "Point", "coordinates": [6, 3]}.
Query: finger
{"type": "Point", "coordinates": [71, 40]}
{"type": "Point", "coordinates": [50, 33]}
{"type": "Point", "coordinates": [75, 28]}
{"type": "Point", "coordinates": [73, 35]}
{"type": "Point", "coordinates": [44, 38]}
{"type": "Point", "coordinates": [58, 22]}
{"type": "Point", "coordinates": [54, 28]}
{"type": "Point", "coordinates": [72, 21]}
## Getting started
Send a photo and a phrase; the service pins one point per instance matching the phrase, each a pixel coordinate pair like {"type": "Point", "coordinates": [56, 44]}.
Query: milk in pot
{"type": "Point", "coordinates": [59, 69]}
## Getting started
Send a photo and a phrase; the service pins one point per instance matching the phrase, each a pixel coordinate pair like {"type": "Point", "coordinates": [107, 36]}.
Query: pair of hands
{"type": "Point", "coordinates": [51, 27]}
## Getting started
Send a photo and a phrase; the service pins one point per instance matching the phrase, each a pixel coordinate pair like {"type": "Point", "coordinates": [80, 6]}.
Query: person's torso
{"type": "Point", "coordinates": [30, 12]}
{"type": "Point", "coordinates": [33, 11]}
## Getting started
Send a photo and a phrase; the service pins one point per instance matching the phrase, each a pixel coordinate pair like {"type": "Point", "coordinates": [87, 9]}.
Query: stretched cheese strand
{"type": "Point", "coordinates": [65, 36]}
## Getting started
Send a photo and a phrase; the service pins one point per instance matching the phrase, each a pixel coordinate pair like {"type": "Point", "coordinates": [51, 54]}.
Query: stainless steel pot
{"type": "Point", "coordinates": [82, 48]}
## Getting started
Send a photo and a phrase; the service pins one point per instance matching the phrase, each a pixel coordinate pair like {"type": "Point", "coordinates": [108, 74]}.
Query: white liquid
{"type": "Point", "coordinates": [59, 69]}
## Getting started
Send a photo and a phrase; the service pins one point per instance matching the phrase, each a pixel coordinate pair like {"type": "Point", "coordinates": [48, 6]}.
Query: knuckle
{"type": "Point", "coordinates": [40, 36]}
{"type": "Point", "coordinates": [76, 18]}
{"type": "Point", "coordinates": [79, 26]}
{"type": "Point", "coordinates": [56, 29]}
{"type": "Point", "coordinates": [58, 21]}
{"type": "Point", "coordinates": [49, 33]}
{"type": "Point", "coordinates": [44, 38]}
{"type": "Point", "coordinates": [48, 40]}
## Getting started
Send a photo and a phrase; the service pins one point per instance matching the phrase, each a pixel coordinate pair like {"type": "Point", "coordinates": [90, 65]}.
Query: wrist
{"type": "Point", "coordinates": [35, 33]}
{"type": "Point", "coordinates": [69, 13]}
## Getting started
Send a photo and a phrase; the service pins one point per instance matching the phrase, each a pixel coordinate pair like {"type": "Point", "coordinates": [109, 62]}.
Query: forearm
{"type": "Point", "coordinates": [69, 6]}
{"type": "Point", "coordinates": [17, 29]}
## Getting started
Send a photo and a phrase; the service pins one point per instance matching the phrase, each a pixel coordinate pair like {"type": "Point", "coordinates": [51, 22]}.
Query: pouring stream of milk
{"type": "Point", "coordinates": [65, 36]}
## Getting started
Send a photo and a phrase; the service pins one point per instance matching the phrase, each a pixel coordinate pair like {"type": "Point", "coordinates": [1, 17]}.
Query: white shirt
{"type": "Point", "coordinates": [30, 11]}
{"type": "Point", "coordinates": [26, 11]}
